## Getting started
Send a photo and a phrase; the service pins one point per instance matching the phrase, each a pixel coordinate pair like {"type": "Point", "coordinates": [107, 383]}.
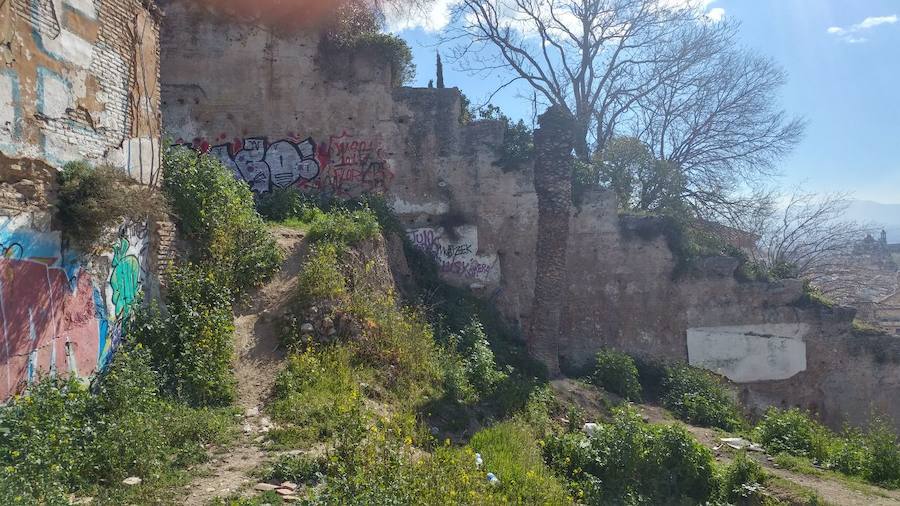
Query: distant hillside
{"type": "Point", "coordinates": [886, 216]}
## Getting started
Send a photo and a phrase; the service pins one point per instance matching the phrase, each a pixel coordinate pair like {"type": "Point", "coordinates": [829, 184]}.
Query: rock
{"type": "Point", "coordinates": [264, 487]}
{"type": "Point", "coordinates": [247, 428]}
{"type": "Point", "coordinates": [131, 481]}
{"type": "Point", "coordinates": [739, 443]}
{"type": "Point", "coordinates": [284, 491]}
{"type": "Point", "coordinates": [251, 412]}
{"type": "Point", "coordinates": [590, 428]}
{"type": "Point", "coordinates": [265, 421]}
{"type": "Point", "coordinates": [290, 485]}
{"type": "Point", "coordinates": [307, 328]}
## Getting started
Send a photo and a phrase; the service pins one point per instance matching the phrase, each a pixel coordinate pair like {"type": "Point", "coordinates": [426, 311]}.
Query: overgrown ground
{"type": "Point", "coordinates": [319, 359]}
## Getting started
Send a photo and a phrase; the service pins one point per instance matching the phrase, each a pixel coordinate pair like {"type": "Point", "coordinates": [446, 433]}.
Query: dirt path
{"type": "Point", "coordinates": [257, 323]}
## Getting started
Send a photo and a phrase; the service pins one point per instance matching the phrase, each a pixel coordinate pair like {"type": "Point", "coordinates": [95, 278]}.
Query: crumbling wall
{"type": "Point", "coordinates": [277, 110]}
{"type": "Point", "coordinates": [79, 80]}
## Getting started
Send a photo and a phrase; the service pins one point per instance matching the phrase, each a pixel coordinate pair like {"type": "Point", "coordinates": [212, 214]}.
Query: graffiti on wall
{"type": "Point", "coordinates": [56, 315]}
{"type": "Point", "coordinates": [343, 167]}
{"type": "Point", "coordinates": [456, 253]}
{"type": "Point", "coordinates": [67, 94]}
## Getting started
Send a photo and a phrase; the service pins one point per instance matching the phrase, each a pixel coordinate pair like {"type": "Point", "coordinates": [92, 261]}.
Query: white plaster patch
{"type": "Point", "coordinates": [8, 92]}
{"type": "Point", "coordinates": [55, 96]}
{"type": "Point", "coordinates": [456, 253]}
{"type": "Point", "coordinates": [139, 157]}
{"type": "Point", "coordinates": [403, 207]}
{"type": "Point", "coordinates": [748, 353]}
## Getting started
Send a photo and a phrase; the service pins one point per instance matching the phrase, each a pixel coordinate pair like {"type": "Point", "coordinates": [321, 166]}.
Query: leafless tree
{"type": "Point", "coordinates": [809, 238]}
{"type": "Point", "coordinates": [716, 119]}
{"type": "Point", "coordinates": [596, 58]}
{"type": "Point", "coordinates": [658, 70]}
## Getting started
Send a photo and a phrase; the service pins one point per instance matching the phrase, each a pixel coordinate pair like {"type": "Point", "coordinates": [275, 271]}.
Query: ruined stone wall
{"type": "Point", "coordinates": [283, 113]}
{"type": "Point", "coordinates": [79, 80]}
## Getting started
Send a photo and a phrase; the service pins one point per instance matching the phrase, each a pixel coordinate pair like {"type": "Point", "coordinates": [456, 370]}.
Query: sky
{"type": "Point", "coordinates": [843, 63]}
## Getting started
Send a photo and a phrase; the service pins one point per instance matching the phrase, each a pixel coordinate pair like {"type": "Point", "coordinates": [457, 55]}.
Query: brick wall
{"type": "Point", "coordinates": [79, 80]}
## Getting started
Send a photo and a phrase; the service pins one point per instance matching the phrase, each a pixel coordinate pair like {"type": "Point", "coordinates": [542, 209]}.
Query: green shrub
{"type": "Point", "coordinates": [216, 213]}
{"type": "Point", "coordinates": [44, 436]}
{"type": "Point", "coordinates": [91, 200]}
{"type": "Point", "coordinates": [192, 346]}
{"type": "Point", "coordinates": [320, 277]}
{"type": "Point", "coordinates": [881, 442]}
{"type": "Point", "coordinates": [848, 454]}
{"type": "Point", "coordinates": [58, 439]}
{"type": "Point", "coordinates": [130, 437]}
{"type": "Point", "coordinates": [794, 432]}
{"type": "Point", "coordinates": [510, 451]}
{"type": "Point", "coordinates": [478, 368]}
{"type": "Point", "coordinates": [632, 462]}
{"type": "Point", "coordinates": [677, 465]}
{"type": "Point", "coordinates": [518, 139]}
{"type": "Point", "coordinates": [699, 397]}
{"type": "Point", "coordinates": [344, 227]}
{"type": "Point", "coordinates": [742, 480]}
{"type": "Point", "coordinates": [617, 373]}
{"type": "Point", "coordinates": [300, 469]}
{"type": "Point", "coordinates": [284, 203]}
{"type": "Point", "coordinates": [315, 392]}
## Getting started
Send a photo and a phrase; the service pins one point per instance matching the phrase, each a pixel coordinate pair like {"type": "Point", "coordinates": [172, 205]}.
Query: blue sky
{"type": "Point", "coordinates": [843, 62]}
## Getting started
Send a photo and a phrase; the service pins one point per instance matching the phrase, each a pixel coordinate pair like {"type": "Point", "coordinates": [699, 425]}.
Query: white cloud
{"type": "Point", "coordinates": [717, 14]}
{"type": "Point", "coordinates": [431, 19]}
{"type": "Point", "coordinates": [438, 15]}
{"type": "Point", "coordinates": [853, 33]}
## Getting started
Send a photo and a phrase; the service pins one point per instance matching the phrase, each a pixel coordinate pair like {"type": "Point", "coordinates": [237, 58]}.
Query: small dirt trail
{"type": "Point", "coordinates": [258, 322]}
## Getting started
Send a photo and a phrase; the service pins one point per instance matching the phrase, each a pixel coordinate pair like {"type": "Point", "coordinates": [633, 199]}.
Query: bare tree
{"type": "Point", "coordinates": [809, 238]}
{"type": "Point", "coordinates": [716, 119]}
{"type": "Point", "coordinates": [595, 58]}
{"type": "Point", "coordinates": [658, 70]}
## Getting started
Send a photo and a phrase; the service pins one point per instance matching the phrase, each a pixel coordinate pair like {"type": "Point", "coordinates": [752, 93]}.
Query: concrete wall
{"type": "Point", "coordinates": [281, 112]}
{"type": "Point", "coordinates": [79, 80]}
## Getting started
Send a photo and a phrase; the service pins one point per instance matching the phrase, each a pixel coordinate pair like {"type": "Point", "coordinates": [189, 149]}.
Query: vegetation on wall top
{"type": "Point", "coordinates": [94, 200]}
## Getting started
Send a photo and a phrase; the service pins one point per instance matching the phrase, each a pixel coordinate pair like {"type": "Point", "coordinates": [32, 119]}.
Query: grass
{"type": "Point", "coordinates": [512, 454]}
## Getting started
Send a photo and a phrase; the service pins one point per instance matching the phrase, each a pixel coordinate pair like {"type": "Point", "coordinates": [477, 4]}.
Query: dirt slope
{"type": "Point", "coordinates": [257, 322]}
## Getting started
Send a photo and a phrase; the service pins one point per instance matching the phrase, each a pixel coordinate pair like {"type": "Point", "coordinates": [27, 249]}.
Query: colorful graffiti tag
{"type": "Point", "coordinates": [55, 318]}
{"type": "Point", "coordinates": [456, 252]}
{"type": "Point", "coordinates": [343, 167]}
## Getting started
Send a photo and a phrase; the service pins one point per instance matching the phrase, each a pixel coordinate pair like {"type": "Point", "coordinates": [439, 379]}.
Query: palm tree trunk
{"type": "Point", "coordinates": [553, 142]}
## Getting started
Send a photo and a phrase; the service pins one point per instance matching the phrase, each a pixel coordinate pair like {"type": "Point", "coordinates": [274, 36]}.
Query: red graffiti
{"type": "Point", "coordinates": [39, 314]}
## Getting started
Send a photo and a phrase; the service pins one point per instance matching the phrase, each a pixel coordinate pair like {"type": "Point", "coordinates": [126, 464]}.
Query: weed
{"type": "Point", "coordinates": [314, 393]}
{"type": "Point", "coordinates": [742, 480]}
{"type": "Point", "coordinates": [793, 432]}
{"type": "Point", "coordinates": [216, 212]}
{"type": "Point", "coordinates": [617, 373]}
{"type": "Point", "coordinates": [321, 278]}
{"type": "Point", "coordinates": [300, 469]}
{"type": "Point", "coordinates": [512, 454]}
{"type": "Point", "coordinates": [192, 345]}
{"type": "Point", "coordinates": [699, 397]}
{"type": "Point", "coordinates": [92, 199]}
{"type": "Point", "coordinates": [630, 461]}
{"type": "Point", "coordinates": [58, 439]}
{"type": "Point", "coordinates": [344, 227]}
